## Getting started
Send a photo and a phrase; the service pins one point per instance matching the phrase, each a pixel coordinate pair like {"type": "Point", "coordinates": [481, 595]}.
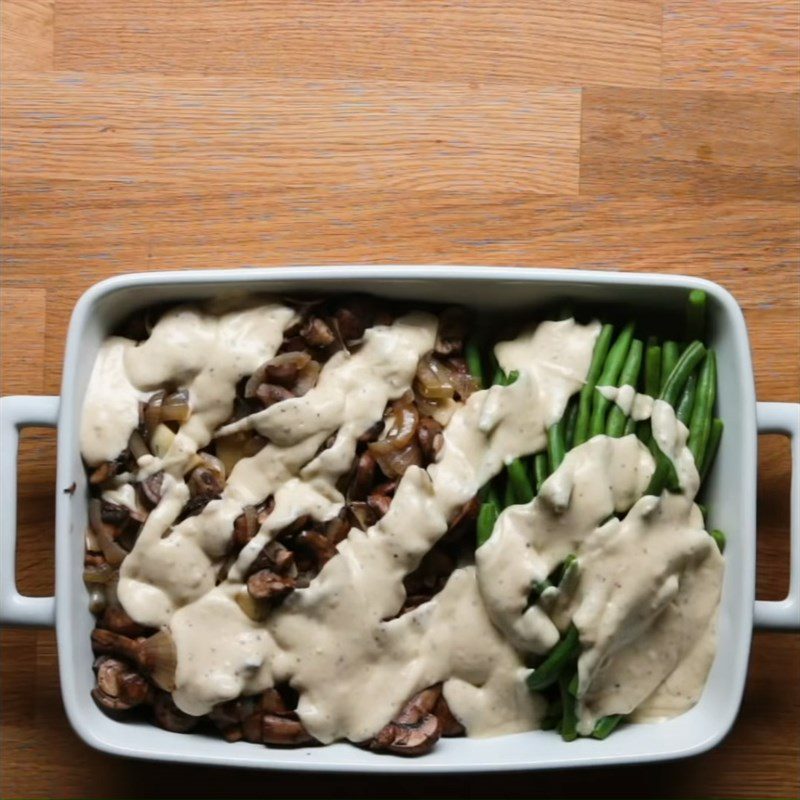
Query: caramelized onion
{"type": "Point", "coordinates": [434, 380]}
{"type": "Point", "coordinates": [175, 407]}
{"type": "Point", "coordinates": [137, 446]}
{"type": "Point", "coordinates": [114, 554]}
{"type": "Point", "coordinates": [152, 411]}
{"type": "Point", "coordinates": [395, 462]}
{"type": "Point", "coordinates": [404, 425]}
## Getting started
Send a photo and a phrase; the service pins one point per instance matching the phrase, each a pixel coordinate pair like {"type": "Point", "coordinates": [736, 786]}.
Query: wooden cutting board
{"type": "Point", "coordinates": [627, 134]}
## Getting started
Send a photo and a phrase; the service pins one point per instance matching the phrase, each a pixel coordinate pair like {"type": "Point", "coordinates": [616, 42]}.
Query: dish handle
{"type": "Point", "coordinates": [17, 413]}
{"type": "Point", "coordinates": [784, 614]}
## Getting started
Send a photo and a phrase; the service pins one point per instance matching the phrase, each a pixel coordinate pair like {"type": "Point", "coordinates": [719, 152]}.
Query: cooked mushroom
{"type": "Point", "coordinates": [430, 437]}
{"type": "Point", "coordinates": [120, 687]}
{"type": "Point", "coordinates": [269, 394]}
{"type": "Point", "coordinates": [451, 333]}
{"type": "Point", "coordinates": [317, 332]}
{"type": "Point", "coordinates": [415, 730]}
{"type": "Point", "coordinates": [154, 655]}
{"type": "Point", "coordinates": [412, 739]}
{"type": "Point", "coordinates": [450, 725]}
{"type": "Point", "coordinates": [150, 489]}
{"type": "Point", "coordinates": [170, 717]}
{"type": "Point", "coordinates": [268, 585]}
{"type": "Point", "coordinates": [363, 476]}
{"type": "Point", "coordinates": [281, 730]}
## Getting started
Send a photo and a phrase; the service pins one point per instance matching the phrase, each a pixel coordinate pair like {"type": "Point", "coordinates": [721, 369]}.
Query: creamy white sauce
{"type": "Point", "coordinates": [338, 641]}
{"type": "Point", "coordinates": [648, 585]}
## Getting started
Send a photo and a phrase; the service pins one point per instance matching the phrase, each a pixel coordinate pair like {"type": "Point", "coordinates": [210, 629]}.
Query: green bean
{"type": "Point", "coordinates": [714, 436]}
{"type": "Point", "coordinates": [652, 368]}
{"type": "Point", "coordinates": [670, 353]}
{"type": "Point", "coordinates": [520, 483]}
{"type": "Point", "coordinates": [569, 720]}
{"type": "Point", "coordinates": [690, 358]}
{"type": "Point", "coordinates": [696, 314]}
{"type": "Point", "coordinates": [652, 384]}
{"type": "Point", "coordinates": [587, 392]}
{"type": "Point", "coordinates": [568, 568]}
{"type": "Point", "coordinates": [574, 685]}
{"type": "Point", "coordinates": [615, 426]}
{"type": "Point", "coordinates": [571, 419]}
{"type": "Point", "coordinates": [509, 499]}
{"type": "Point", "coordinates": [720, 538]}
{"type": "Point", "coordinates": [700, 425]}
{"type": "Point", "coordinates": [609, 377]}
{"type": "Point", "coordinates": [553, 715]}
{"type": "Point", "coordinates": [473, 356]}
{"type": "Point", "coordinates": [547, 673]}
{"type": "Point", "coordinates": [499, 378]}
{"type": "Point", "coordinates": [487, 517]}
{"type": "Point", "coordinates": [540, 467]}
{"type": "Point", "coordinates": [630, 427]}
{"type": "Point", "coordinates": [685, 405]}
{"type": "Point", "coordinates": [605, 725]}
{"type": "Point", "coordinates": [539, 588]}
{"type": "Point", "coordinates": [556, 449]}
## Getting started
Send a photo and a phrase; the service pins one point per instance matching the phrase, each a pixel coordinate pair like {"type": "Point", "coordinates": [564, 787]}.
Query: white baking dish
{"type": "Point", "coordinates": [732, 498]}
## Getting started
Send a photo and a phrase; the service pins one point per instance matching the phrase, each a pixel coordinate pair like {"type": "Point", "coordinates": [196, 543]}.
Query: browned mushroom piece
{"type": "Point", "coordinates": [451, 333]}
{"type": "Point", "coordinates": [274, 557]}
{"type": "Point", "coordinates": [282, 730]}
{"type": "Point", "coordinates": [270, 393]}
{"type": "Point", "coordinates": [103, 473]}
{"type": "Point", "coordinates": [116, 619]}
{"type": "Point", "coordinates": [336, 530]}
{"type": "Point", "coordinates": [150, 489]}
{"type": "Point", "coordinates": [317, 545]}
{"type": "Point", "coordinates": [430, 437]}
{"type": "Point", "coordinates": [154, 655]}
{"type": "Point", "coordinates": [415, 730]}
{"type": "Point", "coordinates": [363, 476]}
{"type": "Point", "coordinates": [284, 369]}
{"type": "Point", "coordinates": [272, 702]}
{"type": "Point", "coordinates": [450, 725]}
{"type": "Point", "coordinates": [419, 705]}
{"type": "Point", "coordinates": [170, 717]}
{"type": "Point", "coordinates": [408, 739]}
{"type": "Point", "coordinates": [361, 515]}
{"type": "Point", "coordinates": [379, 503]}
{"type": "Point", "coordinates": [462, 521]}
{"type": "Point", "coordinates": [268, 585]}
{"type": "Point", "coordinates": [317, 332]}
{"type": "Point", "coordinates": [353, 316]}
{"type": "Point", "coordinates": [206, 482]}
{"type": "Point", "coordinates": [119, 686]}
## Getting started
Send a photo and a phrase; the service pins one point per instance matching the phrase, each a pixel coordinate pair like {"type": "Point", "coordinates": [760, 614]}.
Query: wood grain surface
{"type": "Point", "coordinates": [625, 134]}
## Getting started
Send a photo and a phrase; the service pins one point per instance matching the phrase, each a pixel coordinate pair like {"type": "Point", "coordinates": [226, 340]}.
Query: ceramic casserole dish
{"type": "Point", "coordinates": [731, 494]}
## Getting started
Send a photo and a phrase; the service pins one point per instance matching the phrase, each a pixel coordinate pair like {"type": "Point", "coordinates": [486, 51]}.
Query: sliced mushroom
{"type": "Point", "coordinates": [317, 333]}
{"type": "Point", "coordinates": [117, 620]}
{"type": "Point", "coordinates": [282, 730]}
{"type": "Point", "coordinates": [379, 503]}
{"type": "Point", "coordinates": [155, 655]}
{"type": "Point", "coordinates": [451, 333]}
{"type": "Point", "coordinates": [363, 476]}
{"type": "Point", "coordinates": [412, 739]}
{"type": "Point", "coordinates": [150, 489]}
{"type": "Point", "coordinates": [170, 717]}
{"type": "Point", "coordinates": [316, 545]}
{"type": "Point", "coordinates": [430, 437]}
{"type": "Point", "coordinates": [270, 394]}
{"type": "Point", "coordinates": [175, 407]}
{"type": "Point", "coordinates": [119, 686]}
{"type": "Point", "coordinates": [268, 585]}
{"type": "Point", "coordinates": [103, 473]}
{"type": "Point", "coordinates": [450, 725]}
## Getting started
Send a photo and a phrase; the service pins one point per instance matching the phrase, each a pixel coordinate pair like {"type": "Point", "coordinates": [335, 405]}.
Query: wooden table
{"type": "Point", "coordinates": [624, 134]}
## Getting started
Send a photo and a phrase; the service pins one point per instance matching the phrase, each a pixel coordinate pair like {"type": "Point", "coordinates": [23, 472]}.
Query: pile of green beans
{"type": "Point", "coordinates": [683, 374]}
